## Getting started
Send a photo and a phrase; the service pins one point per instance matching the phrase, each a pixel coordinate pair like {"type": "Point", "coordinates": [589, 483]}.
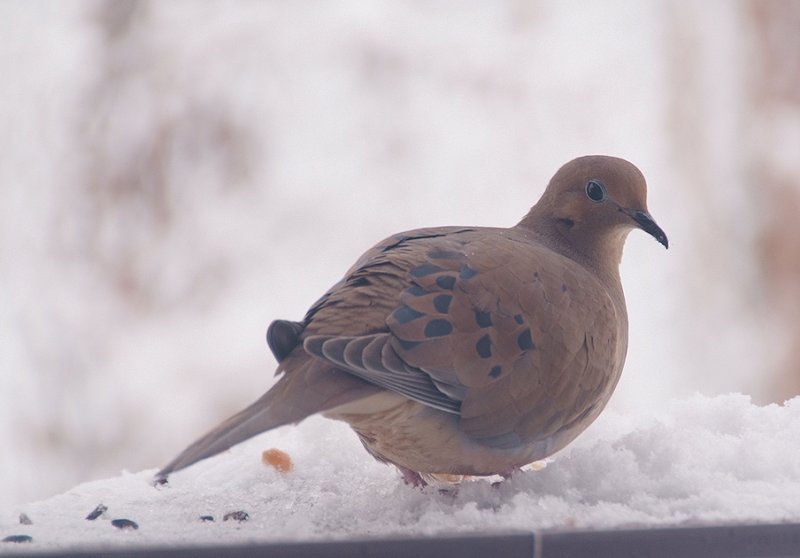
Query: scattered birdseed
{"type": "Point", "coordinates": [18, 539]}
{"type": "Point", "coordinates": [124, 524]}
{"type": "Point", "coordinates": [236, 515]}
{"type": "Point", "coordinates": [97, 512]}
{"type": "Point", "coordinates": [279, 460]}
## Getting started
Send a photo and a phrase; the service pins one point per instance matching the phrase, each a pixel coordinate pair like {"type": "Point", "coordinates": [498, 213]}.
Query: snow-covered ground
{"type": "Point", "coordinates": [176, 175]}
{"type": "Point", "coordinates": [701, 461]}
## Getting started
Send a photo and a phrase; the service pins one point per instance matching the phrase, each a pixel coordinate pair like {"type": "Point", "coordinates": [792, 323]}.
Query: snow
{"type": "Point", "coordinates": [280, 140]}
{"type": "Point", "coordinates": [700, 461]}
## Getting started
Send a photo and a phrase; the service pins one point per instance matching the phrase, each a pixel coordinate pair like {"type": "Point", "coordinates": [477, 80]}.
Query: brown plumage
{"type": "Point", "coordinates": [466, 350]}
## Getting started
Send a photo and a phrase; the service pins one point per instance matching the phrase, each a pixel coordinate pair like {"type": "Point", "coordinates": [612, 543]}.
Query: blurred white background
{"type": "Point", "coordinates": [175, 175]}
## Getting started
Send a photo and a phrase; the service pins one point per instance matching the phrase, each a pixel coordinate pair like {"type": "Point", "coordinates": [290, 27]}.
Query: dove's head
{"type": "Point", "coordinates": [592, 203]}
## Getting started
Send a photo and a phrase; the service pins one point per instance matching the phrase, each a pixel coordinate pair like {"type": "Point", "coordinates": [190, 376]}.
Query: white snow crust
{"type": "Point", "coordinates": [701, 461]}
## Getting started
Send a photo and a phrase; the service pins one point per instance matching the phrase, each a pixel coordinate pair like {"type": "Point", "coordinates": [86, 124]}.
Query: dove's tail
{"type": "Point", "coordinates": [305, 390]}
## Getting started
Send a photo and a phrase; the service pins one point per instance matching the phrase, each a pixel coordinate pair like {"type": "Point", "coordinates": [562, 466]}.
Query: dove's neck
{"type": "Point", "coordinates": [599, 253]}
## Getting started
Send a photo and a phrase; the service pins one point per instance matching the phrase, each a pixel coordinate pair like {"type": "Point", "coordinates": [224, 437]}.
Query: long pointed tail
{"type": "Point", "coordinates": [311, 388]}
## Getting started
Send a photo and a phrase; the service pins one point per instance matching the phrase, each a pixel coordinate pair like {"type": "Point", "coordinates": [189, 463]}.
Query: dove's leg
{"type": "Point", "coordinates": [411, 478]}
{"type": "Point", "coordinates": [508, 473]}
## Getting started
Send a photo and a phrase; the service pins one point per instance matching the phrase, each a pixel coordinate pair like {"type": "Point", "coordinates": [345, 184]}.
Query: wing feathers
{"type": "Point", "coordinates": [373, 359]}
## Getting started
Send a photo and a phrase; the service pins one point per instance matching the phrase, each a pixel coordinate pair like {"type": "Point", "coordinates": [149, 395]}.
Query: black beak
{"type": "Point", "coordinates": [648, 225]}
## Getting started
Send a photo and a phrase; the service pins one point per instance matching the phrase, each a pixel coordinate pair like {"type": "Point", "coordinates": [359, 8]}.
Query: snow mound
{"type": "Point", "coordinates": [703, 461]}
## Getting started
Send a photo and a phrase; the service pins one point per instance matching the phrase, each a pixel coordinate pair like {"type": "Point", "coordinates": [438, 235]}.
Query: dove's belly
{"type": "Point", "coordinates": [402, 432]}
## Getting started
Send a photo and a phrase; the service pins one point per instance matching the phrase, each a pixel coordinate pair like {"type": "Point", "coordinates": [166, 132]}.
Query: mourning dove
{"type": "Point", "coordinates": [466, 350]}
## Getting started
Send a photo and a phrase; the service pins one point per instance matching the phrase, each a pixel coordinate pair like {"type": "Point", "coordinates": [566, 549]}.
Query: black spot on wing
{"type": "Point", "coordinates": [496, 371]}
{"type": "Point", "coordinates": [467, 272]}
{"type": "Point", "coordinates": [438, 328]}
{"type": "Point", "coordinates": [442, 303]}
{"type": "Point", "coordinates": [446, 282]}
{"type": "Point", "coordinates": [519, 319]}
{"type": "Point", "coordinates": [404, 314]}
{"type": "Point", "coordinates": [483, 319]}
{"type": "Point", "coordinates": [425, 269]}
{"type": "Point", "coordinates": [525, 340]}
{"type": "Point", "coordinates": [416, 290]}
{"type": "Point", "coordinates": [484, 346]}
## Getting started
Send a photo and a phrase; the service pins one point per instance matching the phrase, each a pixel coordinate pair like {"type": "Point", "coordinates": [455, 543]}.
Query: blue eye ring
{"type": "Point", "coordinates": [595, 191]}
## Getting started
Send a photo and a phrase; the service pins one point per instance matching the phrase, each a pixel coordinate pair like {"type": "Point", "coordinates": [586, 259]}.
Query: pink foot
{"type": "Point", "coordinates": [507, 474]}
{"type": "Point", "coordinates": [412, 478]}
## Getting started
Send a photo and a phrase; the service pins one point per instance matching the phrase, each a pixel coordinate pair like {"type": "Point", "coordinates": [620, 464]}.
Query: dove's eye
{"type": "Point", "coordinates": [595, 191]}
